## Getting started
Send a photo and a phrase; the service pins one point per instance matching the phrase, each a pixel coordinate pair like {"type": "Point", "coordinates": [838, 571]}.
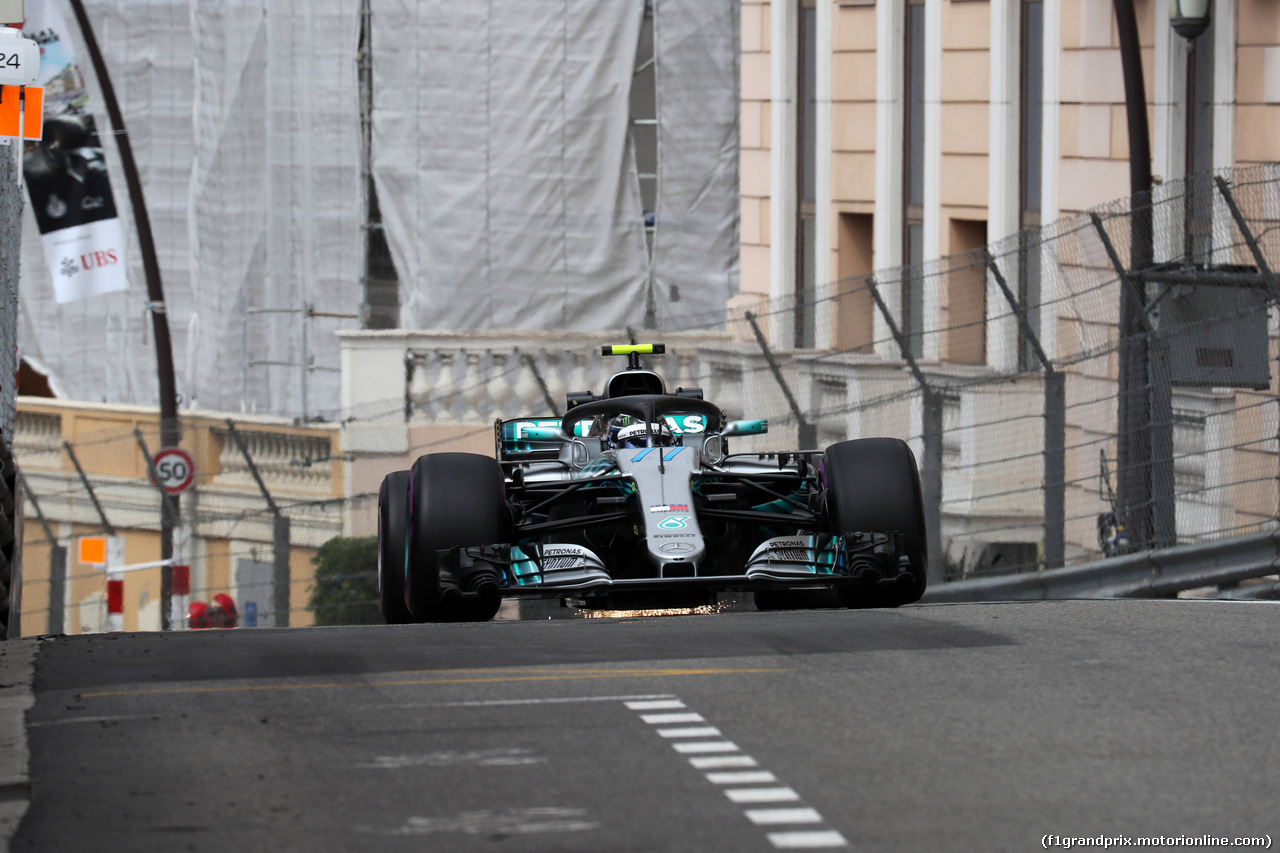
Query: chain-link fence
{"type": "Point", "coordinates": [1101, 385]}
{"type": "Point", "coordinates": [10, 525]}
{"type": "Point", "coordinates": [264, 498]}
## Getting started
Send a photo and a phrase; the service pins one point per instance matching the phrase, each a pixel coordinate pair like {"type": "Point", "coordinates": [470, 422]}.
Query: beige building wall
{"type": "Point", "coordinates": [756, 169]}
{"type": "Point", "coordinates": [1257, 131]}
{"type": "Point", "coordinates": [223, 511]}
{"type": "Point", "coordinates": [1085, 149]}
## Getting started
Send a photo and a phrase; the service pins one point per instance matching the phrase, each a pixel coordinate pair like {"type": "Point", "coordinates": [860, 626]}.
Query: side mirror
{"type": "Point", "coordinates": [757, 427]}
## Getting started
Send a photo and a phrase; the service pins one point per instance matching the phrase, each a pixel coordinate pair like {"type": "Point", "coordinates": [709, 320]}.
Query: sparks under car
{"type": "Point", "coordinates": [633, 499]}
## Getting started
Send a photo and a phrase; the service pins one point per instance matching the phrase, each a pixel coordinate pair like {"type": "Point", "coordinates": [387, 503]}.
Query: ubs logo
{"type": "Point", "coordinates": [98, 259]}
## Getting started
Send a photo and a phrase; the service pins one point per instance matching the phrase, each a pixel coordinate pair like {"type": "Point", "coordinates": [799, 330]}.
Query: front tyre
{"type": "Point", "coordinates": [456, 500]}
{"type": "Point", "coordinates": [873, 486]}
{"type": "Point", "coordinates": [393, 505]}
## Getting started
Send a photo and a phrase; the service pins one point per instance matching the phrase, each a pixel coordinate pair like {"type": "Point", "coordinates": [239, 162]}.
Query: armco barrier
{"type": "Point", "coordinates": [1151, 574]}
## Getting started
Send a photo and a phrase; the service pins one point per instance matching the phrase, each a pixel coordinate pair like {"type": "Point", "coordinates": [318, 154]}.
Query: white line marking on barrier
{"type": "Point", "coordinates": [775, 816]}
{"type": "Point", "coordinates": [761, 795]}
{"type": "Point", "coordinates": [807, 840]}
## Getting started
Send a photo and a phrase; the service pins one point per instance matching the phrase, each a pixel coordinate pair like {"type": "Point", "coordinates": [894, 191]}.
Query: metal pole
{"type": "Point", "coordinates": [1134, 412]}
{"type": "Point", "coordinates": [807, 433]}
{"type": "Point", "coordinates": [279, 535]}
{"type": "Point", "coordinates": [931, 464]}
{"type": "Point", "coordinates": [1055, 434]}
{"type": "Point", "coordinates": [170, 516]}
{"type": "Point", "coordinates": [170, 430]}
{"type": "Point", "coordinates": [57, 588]}
{"type": "Point", "coordinates": [1055, 479]}
{"type": "Point", "coordinates": [306, 367]}
{"type": "Point", "coordinates": [88, 487]}
{"type": "Point", "coordinates": [57, 561]}
{"type": "Point", "coordinates": [931, 485]}
{"type": "Point", "coordinates": [280, 569]}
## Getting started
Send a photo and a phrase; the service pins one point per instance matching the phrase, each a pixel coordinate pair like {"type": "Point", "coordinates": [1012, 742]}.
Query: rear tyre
{"type": "Point", "coordinates": [873, 486]}
{"type": "Point", "coordinates": [455, 501]}
{"type": "Point", "coordinates": [393, 506]}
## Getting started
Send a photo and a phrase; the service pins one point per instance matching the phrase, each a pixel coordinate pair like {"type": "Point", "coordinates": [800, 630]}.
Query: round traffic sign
{"type": "Point", "coordinates": [175, 470]}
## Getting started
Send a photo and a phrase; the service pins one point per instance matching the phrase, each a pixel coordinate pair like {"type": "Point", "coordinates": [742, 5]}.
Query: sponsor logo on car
{"type": "Point", "coordinates": [669, 508]}
{"type": "Point", "coordinates": [674, 522]}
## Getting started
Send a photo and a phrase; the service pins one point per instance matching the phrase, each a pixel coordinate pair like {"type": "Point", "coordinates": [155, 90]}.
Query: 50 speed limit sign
{"type": "Point", "coordinates": [175, 470]}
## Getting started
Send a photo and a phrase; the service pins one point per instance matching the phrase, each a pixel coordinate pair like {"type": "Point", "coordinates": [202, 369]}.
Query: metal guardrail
{"type": "Point", "coordinates": [1160, 573]}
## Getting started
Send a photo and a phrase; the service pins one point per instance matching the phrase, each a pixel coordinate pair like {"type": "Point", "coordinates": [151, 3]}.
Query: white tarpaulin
{"type": "Point", "coordinates": [506, 174]}
{"type": "Point", "coordinates": [501, 154]}
{"type": "Point", "coordinates": [244, 120]}
{"type": "Point", "coordinates": [695, 253]}
{"type": "Point", "coordinates": [503, 162]}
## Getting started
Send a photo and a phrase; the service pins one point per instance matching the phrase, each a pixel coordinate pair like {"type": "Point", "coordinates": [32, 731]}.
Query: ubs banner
{"type": "Point", "coordinates": [66, 171]}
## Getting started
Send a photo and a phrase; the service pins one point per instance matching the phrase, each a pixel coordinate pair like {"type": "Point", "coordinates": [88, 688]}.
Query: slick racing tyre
{"type": "Point", "coordinates": [873, 486]}
{"type": "Point", "coordinates": [455, 501]}
{"type": "Point", "coordinates": [393, 505]}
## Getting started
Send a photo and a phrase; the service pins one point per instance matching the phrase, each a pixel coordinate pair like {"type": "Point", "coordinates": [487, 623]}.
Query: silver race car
{"type": "Point", "coordinates": [634, 500]}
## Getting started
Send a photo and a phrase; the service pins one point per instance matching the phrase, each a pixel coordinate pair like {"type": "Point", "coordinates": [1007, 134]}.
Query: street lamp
{"type": "Point", "coordinates": [1189, 18]}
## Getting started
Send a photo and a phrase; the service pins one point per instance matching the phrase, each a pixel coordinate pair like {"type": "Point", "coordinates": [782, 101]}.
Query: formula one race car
{"type": "Point", "coordinates": [633, 500]}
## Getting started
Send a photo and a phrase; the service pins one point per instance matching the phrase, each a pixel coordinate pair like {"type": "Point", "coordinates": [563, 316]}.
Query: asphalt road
{"type": "Point", "coordinates": [963, 727]}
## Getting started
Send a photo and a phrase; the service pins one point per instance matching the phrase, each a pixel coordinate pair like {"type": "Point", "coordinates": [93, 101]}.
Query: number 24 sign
{"type": "Point", "coordinates": [174, 470]}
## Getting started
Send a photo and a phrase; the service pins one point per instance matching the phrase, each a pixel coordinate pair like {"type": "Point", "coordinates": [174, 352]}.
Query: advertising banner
{"type": "Point", "coordinates": [66, 172]}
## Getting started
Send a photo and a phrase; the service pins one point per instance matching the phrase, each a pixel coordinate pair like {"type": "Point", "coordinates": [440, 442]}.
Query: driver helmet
{"type": "Point", "coordinates": [639, 435]}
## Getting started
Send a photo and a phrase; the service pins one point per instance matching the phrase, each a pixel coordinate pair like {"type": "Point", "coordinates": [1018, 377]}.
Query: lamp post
{"type": "Point", "coordinates": [1136, 432]}
{"type": "Point", "coordinates": [169, 426]}
{"type": "Point", "coordinates": [1189, 18]}
{"type": "Point", "coordinates": [1133, 419]}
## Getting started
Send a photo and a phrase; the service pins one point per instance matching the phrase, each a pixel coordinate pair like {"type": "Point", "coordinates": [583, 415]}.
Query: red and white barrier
{"type": "Point", "coordinates": [181, 598]}
{"type": "Point", "coordinates": [115, 602]}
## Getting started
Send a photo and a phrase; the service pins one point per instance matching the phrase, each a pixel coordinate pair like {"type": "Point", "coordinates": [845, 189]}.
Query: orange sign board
{"type": "Point", "coordinates": [32, 101]}
{"type": "Point", "coordinates": [93, 550]}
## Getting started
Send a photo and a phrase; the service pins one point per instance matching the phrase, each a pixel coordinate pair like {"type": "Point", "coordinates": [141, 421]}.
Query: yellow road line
{"type": "Point", "coordinates": [558, 675]}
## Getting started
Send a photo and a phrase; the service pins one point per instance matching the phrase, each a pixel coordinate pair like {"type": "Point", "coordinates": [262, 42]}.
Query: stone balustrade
{"type": "Point", "coordinates": [37, 439]}
{"type": "Point", "coordinates": [297, 464]}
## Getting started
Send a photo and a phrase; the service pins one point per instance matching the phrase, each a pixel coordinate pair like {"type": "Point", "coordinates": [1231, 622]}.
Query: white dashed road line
{"type": "Point", "coordinates": [807, 840]}
{"type": "Point", "coordinates": [713, 762]}
{"type": "Point", "coordinates": [706, 746]}
{"type": "Point", "coordinates": [719, 756]}
{"type": "Point", "coordinates": [703, 731]}
{"type": "Point", "coordinates": [671, 719]}
{"type": "Point", "coordinates": [762, 795]}
{"type": "Point", "coordinates": [741, 777]}
{"type": "Point", "coordinates": [776, 816]}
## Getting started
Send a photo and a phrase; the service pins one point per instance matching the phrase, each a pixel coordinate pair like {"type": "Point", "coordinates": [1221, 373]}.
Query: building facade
{"type": "Point", "coordinates": [877, 133]}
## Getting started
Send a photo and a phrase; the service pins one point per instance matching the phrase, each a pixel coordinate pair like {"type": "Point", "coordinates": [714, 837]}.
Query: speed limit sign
{"type": "Point", "coordinates": [175, 470]}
